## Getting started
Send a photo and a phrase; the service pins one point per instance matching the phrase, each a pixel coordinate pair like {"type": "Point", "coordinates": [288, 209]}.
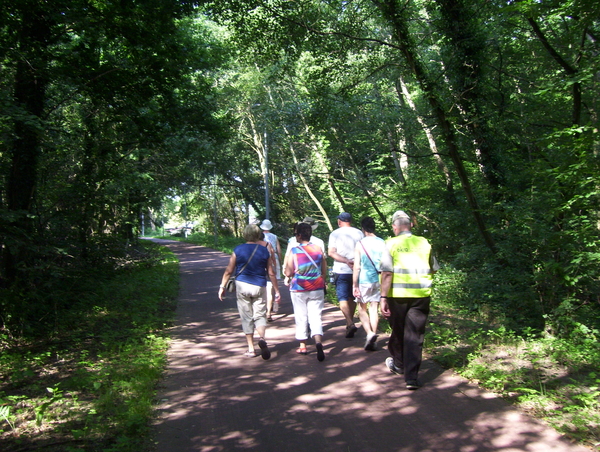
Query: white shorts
{"type": "Point", "coordinates": [369, 293]}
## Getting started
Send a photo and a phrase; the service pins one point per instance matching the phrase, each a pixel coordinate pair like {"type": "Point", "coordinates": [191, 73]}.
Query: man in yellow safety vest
{"type": "Point", "coordinates": [407, 268]}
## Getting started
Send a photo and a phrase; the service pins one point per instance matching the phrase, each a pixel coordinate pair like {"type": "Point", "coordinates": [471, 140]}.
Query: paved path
{"type": "Point", "coordinates": [214, 399]}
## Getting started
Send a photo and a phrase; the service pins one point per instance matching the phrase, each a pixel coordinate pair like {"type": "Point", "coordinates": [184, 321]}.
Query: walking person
{"type": "Point", "coordinates": [342, 243]}
{"type": "Point", "coordinates": [306, 267]}
{"type": "Point", "coordinates": [365, 280]}
{"type": "Point", "coordinates": [293, 242]}
{"type": "Point", "coordinates": [407, 268]}
{"type": "Point", "coordinates": [272, 304]}
{"type": "Point", "coordinates": [251, 263]}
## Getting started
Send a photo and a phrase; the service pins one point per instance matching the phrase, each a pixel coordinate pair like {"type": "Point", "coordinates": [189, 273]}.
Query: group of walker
{"type": "Point", "coordinates": [393, 276]}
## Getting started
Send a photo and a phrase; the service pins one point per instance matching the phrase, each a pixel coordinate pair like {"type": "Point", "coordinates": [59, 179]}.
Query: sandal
{"type": "Point", "coordinates": [269, 319]}
{"type": "Point", "coordinates": [250, 354]}
{"type": "Point", "coordinates": [302, 351]}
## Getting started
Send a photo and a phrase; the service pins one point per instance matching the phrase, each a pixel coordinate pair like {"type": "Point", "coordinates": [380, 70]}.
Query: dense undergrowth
{"type": "Point", "coordinates": [554, 378]}
{"type": "Point", "coordinates": [89, 383]}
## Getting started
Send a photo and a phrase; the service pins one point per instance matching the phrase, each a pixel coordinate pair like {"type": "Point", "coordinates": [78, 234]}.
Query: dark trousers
{"type": "Point", "coordinates": [408, 319]}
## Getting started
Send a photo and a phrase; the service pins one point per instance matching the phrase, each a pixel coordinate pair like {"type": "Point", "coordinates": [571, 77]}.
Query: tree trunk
{"type": "Point", "coordinates": [403, 91]}
{"type": "Point", "coordinates": [399, 23]}
{"type": "Point", "coordinates": [29, 93]}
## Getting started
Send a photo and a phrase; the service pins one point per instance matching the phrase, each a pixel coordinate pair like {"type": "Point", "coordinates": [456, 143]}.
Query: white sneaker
{"type": "Point", "coordinates": [389, 362]}
{"type": "Point", "coordinates": [371, 342]}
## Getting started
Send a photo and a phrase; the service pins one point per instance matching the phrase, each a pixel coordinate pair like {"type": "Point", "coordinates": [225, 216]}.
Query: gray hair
{"type": "Point", "coordinates": [402, 221]}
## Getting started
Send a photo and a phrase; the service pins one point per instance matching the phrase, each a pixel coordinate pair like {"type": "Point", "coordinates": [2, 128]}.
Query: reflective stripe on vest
{"type": "Point", "coordinates": [412, 276]}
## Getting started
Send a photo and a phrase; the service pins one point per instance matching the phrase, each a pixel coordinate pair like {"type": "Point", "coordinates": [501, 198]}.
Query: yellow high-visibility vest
{"type": "Point", "coordinates": [412, 276]}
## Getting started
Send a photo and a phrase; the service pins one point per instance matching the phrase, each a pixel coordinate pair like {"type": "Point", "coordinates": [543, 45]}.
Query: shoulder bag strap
{"type": "Point", "coordinates": [367, 253]}
{"type": "Point", "coordinates": [247, 262]}
{"type": "Point", "coordinates": [311, 259]}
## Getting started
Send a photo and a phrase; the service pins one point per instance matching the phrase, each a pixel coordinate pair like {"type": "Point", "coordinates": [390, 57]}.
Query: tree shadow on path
{"type": "Point", "coordinates": [215, 399]}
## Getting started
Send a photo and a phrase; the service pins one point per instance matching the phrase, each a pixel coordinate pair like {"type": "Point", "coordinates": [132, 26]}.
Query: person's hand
{"type": "Point", "coordinates": [277, 296]}
{"type": "Point", "coordinates": [384, 307]}
{"type": "Point", "coordinates": [221, 293]}
{"type": "Point", "coordinates": [356, 292]}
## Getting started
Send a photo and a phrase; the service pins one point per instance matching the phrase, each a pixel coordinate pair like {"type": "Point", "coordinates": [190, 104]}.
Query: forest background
{"type": "Point", "coordinates": [479, 118]}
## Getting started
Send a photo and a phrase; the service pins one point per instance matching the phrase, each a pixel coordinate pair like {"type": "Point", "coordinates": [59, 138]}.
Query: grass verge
{"type": "Point", "coordinates": [91, 384]}
{"type": "Point", "coordinates": [555, 379]}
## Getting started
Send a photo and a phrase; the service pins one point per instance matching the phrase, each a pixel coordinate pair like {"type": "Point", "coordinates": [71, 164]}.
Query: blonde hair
{"type": "Point", "coordinates": [252, 233]}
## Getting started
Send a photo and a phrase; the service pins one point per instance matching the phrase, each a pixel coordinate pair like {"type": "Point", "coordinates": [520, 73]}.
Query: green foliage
{"type": "Point", "coordinates": [93, 380]}
{"type": "Point", "coordinates": [225, 244]}
{"type": "Point", "coordinates": [553, 378]}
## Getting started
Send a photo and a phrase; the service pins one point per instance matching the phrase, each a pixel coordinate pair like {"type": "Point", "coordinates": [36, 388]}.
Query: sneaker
{"type": "Point", "coordinates": [264, 349]}
{"type": "Point", "coordinates": [350, 330]}
{"type": "Point", "coordinates": [389, 362]}
{"type": "Point", "coordinates": [320, 352]}
{"type": "Point", "coordinates": [371, 343]}
{"type": "Point", "coordinates": [412, 385]}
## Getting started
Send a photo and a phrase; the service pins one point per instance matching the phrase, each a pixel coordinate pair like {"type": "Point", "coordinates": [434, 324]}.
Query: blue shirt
{"type": "Point", "coordinates": [255, 272]}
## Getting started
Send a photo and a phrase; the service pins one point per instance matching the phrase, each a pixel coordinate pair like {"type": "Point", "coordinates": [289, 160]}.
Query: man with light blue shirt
{"type": "Point", "coordinates": [365, 280]}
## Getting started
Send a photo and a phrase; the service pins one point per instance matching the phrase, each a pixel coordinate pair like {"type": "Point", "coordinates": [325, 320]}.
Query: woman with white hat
{"type": "Point", "coordinates": [271, 238]}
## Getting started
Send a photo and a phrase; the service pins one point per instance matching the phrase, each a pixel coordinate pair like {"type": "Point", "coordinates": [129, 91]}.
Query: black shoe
{"type": "Point", "coordinates": [350, 330]}
{"type": "Point", "coordinates": [264, 349]}
{"type": "Point", "coordinates": [320, 352]}
{"type": "Point", "coordinates": [412, 385]}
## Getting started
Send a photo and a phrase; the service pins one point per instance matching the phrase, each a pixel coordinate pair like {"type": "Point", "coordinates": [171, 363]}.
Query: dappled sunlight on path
{"type": "Point", "coordinates": [216, 399]}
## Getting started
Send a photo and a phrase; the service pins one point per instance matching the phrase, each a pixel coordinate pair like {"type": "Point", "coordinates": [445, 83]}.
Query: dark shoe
{"type": "Point", "coordinates": [350, 330]}
{"type": "Point", "coordinates": [320, 352]}
{"type": "Point", "coordinates": [269, 319]}
{"type": "Point", "coordinates": [371, 343]}
{"type": "Point", "coordinates": [389, 362]}
{"type": "Point", "coordinates": [412, 385]}
{"type": "Point", "coordinates": [264, 349]}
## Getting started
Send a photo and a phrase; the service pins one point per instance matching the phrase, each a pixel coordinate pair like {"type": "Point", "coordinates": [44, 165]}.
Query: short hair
{"type": "Point", "coordinates": [252, 233]}
{"type": "Point", "coordinates": [402, 221]}
{"type": "Point", "coordinates": [303, 231]}
{"type": "Point", "coordinates": [368, 225]}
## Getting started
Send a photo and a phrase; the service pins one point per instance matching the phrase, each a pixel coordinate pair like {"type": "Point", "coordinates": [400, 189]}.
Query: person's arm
{"type": "Point", "coordinates": [356, 271]}
{"type": "Point", "coordinates": [386, 284]}
{"type": "Point", "coordinates": [273, 278]}
{"type": "Point", "coordinates": [278, 250]}
{"type": "Point", "coordinates": [272, 261]}
{"type": "Point", "coordinates": [387, 268]}
{"type": "Point", "coordinates": [289, 266]}
{"type": "Point", "coordinates": [339, 258]}
{"type": "Point", "coordinates": [228, 272]}
{"type": "Point", "coordinates": [324, 268]}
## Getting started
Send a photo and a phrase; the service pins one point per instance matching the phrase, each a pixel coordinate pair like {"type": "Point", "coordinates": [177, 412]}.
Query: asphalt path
{"type": "Point", "coordinates": [213, 398]}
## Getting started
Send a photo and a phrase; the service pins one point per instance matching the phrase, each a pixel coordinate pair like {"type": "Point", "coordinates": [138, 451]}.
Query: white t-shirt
{"type": "Point", "coordinates": [344, 241]}
{"type": "Point", "coordinates": [292, 242]}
